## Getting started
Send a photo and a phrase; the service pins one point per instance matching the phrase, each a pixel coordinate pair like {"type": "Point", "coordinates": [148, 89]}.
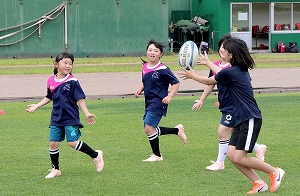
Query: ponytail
{"type": "Point", "coordinates": [55, 71]}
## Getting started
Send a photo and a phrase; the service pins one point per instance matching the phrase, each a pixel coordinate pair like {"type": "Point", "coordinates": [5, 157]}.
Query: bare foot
{"type": "Point", "coordinates": [181, 133]}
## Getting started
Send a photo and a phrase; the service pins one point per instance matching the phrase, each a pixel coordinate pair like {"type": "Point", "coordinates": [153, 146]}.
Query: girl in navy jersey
{"type": "Point", "coordinates": [247, 113]}
{"type": "Point", "coordinates": [156, 78]}
{"type": "Point", "coordinates": [66, 93]}
{"type": "Point", "coordinates": [226, 107]}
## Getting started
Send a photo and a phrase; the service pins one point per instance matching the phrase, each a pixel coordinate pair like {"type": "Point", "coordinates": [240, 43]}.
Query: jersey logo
{"type": "Point", "coordinates": [66, 87]}
{"type": "Point", "coordinates": [155, 75]}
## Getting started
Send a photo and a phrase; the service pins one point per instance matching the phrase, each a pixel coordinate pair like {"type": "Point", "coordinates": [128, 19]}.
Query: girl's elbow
{"type": "Point", "coordinates": [211, 83]}
{"type": "Point", "coordinates": [206, 82]}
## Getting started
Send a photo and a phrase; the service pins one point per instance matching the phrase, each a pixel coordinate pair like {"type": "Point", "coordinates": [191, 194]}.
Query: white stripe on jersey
{"type": "Point", "coordinates": [71, 79]}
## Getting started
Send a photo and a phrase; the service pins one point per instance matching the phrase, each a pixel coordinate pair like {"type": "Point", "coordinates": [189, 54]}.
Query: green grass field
{"type": "Point", "coordinates": [131, 64]}
{"type": "Point", "coordinates": [119, 133]}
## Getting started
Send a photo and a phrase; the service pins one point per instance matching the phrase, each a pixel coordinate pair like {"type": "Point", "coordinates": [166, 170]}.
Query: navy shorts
{"type": "Point", "coordinates": [151, 118]}
{"type": "Point", "coordinates": [58, 133]}
{"type": "Point", "coordinates": [228, 120]}
{"type": "Point", "coordinates": [245, 134]}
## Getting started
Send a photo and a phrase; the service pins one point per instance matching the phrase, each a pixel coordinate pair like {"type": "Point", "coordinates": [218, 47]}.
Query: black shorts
{"type": "Point", "coordinates": [245, 134]}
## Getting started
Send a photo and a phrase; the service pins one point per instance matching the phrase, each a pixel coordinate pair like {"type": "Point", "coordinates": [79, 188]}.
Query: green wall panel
{"type": "Point", "coordinates": [104, 27]}
{"type": "Point", "coordinates": [44, 42]}
{"type": "Point", "coordinates": [92, 27]}
{"type": "Point", "coordinates": [95, 27]}
{"type": "Point", "coordinates": [179, 5]}
{"type": "Point", "coordinates": [286, 38]}
{"type": "Point", "coordinates": [220, 22]}
{"type": "Point", "coordinates": [260, 1]}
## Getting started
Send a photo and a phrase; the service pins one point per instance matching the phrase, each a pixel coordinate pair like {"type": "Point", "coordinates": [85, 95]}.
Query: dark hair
{"type": "Point", "coordinates": [158, 45]}
{"type": "Point", "coordinates": [240, 53]}
{"type": "Point", "coordinates": [61, 56]}
{"type": "Point", "coordinates": [225, 37]}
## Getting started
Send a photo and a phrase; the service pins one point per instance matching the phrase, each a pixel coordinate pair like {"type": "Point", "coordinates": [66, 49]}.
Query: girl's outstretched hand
{"type": "Point", "coordinates": [198, 105]}
{"type": "Point", "coordinates": [203, 59]}
{"type": "Point", "coordinates": [90, 118]}
{"type": "Point", "coordinates": [31, 108]}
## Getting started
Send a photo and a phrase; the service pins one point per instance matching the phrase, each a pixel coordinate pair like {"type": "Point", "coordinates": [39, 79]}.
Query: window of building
{"type": "Point", "coordinates": [286, 17]}
{"type": "Point", "coordinates": [240, 18]}
{"type": "Point", "coordinates": [296, 16]}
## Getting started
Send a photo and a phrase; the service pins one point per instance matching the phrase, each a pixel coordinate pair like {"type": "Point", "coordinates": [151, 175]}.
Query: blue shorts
{"type": "Point", "coordinates": [58, 133]}
{"type": "Point", "coordinates": [151, 118]}
{"type": "Point", "coordinates": [228, 120]}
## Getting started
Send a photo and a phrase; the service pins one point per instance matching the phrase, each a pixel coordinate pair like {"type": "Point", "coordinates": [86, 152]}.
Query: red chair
{"type": "Point", "coordinates": [277, 27]}
{"type": "Point", "coordinates": [265, 29]}
{"type": "Point", "coordinates": [255, 30]}
{"type": "Point", "coordinates": [286, 27]}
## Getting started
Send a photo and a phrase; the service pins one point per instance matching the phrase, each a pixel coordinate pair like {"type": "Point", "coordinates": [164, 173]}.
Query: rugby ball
{"type": "Point", "coordinates": [188, 55]}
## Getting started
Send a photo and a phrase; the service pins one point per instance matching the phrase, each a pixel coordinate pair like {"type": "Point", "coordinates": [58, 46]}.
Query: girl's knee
{"type": "Point", "coordinates": [240, 158]}
{"type": "Point", "coordinates": [145, 130]}
{"type": "Point", "coordinates": [223, 133]}
{"type": "Point", "coordinates": [54, 145]}
{"type": "Point", "coordinates": [223, 136]}
{"type": "Point", "coordinates": [149, 130]}
{"type": "Point", "coordinates": [230, 154]}
{"type": "Point", "coordinates": [72, 144]}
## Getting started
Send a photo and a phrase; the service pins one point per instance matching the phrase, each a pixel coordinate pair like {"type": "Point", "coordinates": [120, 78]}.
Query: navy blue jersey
{"type": "Point", "coordinates": [238, 84]}
{"type": "Point", "coordinates": [156, 82]}
{"type": "Point", "coordinates": [65, 93]}
{"type": "Point", "coordinates": [226, 105]}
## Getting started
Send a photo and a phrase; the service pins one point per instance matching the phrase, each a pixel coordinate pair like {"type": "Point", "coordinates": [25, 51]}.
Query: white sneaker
{"type": "Point", "coordinates": [153, 158]}
{"type": "Point", "coordinates": [54, 173]}
{"type": "Point", "coordinates": [216, 166]}
{"type": "Point", "coordinates": [181, 133]}
{"type": "Point", "coordinates": [260, 151]}
{"type": "Point", "coordinates": [99, 162]}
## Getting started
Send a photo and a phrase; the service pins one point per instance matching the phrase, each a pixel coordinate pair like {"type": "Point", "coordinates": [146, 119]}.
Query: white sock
{"type": "Point", "coordinates": [223, 146]}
